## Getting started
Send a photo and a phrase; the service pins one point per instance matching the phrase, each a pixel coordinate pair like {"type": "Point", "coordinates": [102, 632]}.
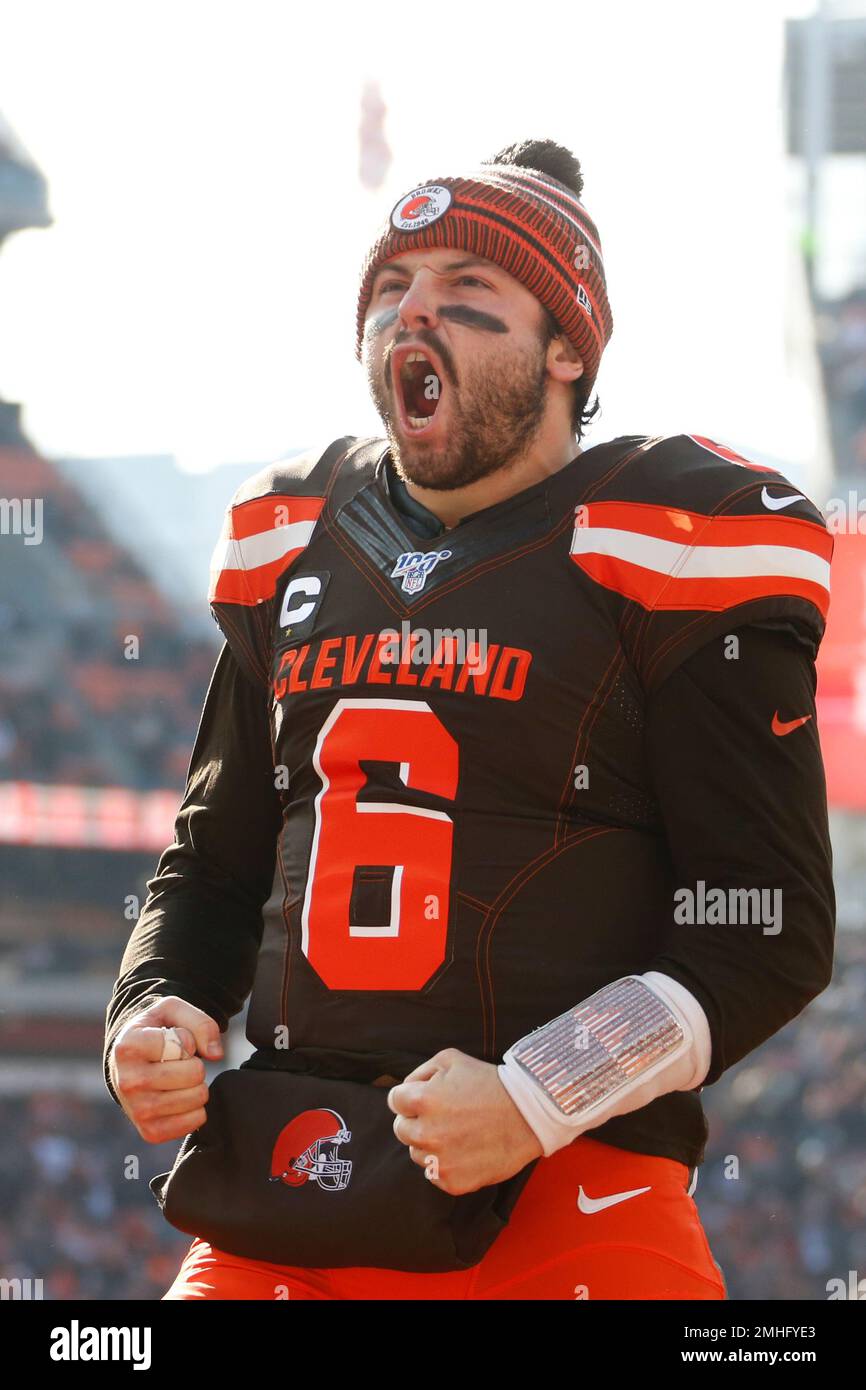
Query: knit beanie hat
{"type": "Point", "coordinates": [524, 221]}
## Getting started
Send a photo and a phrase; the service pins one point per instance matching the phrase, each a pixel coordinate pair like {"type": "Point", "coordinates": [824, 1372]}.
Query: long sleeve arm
{"type": "Point", "coordinates": [740, 781]}
{"type": "Point", "coordinates": [199, 931]}
{"type": "Point", "coordinates": [736, 764]}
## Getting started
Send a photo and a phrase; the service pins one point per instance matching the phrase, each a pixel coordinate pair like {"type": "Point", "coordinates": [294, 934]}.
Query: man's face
{"type": "Point", "coordinates": [477, 400]}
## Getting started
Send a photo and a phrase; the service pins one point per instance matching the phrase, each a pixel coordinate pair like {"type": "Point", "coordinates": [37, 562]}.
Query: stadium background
{"type": "Point", "coordinates": [170, 321]}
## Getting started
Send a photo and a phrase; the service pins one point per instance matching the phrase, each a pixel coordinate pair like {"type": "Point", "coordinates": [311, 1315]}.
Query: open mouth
{"type": "Point", "coordinates": [418, 387]}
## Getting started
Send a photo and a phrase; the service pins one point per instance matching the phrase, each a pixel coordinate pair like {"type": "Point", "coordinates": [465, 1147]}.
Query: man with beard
{"type": "Point", "coordinates": [524, 891]}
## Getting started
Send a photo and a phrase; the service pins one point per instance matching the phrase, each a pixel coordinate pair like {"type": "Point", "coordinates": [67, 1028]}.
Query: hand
{"type": "Point", "coordinates": [164, 1100]}
{"type": "Point", "coordinates": [456, 1109]}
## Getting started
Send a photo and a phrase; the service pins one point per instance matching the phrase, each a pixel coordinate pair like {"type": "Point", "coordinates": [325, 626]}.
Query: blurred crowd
{"type": "Point", "coordinates": [791, 1213]}
{"type": "Point", "coordinates": [782, 1193]}
{"type": "Point", "coordinates": [842, 347]}
{"type": "Point", "coordinates": [37, 944]}
{"type": "Point", "coordinates": [99, 686]}
{"type": "Point", "coordinates": [75, 1209]}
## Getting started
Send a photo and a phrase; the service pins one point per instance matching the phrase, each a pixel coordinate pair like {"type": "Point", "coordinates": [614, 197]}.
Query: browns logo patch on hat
{"type": "Point", "coordinates": [422, 206]}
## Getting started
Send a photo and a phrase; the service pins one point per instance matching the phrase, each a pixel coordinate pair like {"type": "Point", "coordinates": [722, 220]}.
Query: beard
{"type": "Point", "coordinates": [494, 414]}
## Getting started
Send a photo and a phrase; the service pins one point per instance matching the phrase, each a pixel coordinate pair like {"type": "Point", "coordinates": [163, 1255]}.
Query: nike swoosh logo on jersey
{"type": "Point", "coordinates": [776, 504]}
{"type": "Point", "coordinates": [784, 726]}
{"type": "Point", "coordinates": [589, 1205]}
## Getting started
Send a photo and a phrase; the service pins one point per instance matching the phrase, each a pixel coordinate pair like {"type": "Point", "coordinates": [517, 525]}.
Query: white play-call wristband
{"type": "Point", "coordinates": [632, 1041]}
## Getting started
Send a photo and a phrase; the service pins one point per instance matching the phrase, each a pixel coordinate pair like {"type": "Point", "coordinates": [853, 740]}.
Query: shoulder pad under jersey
{"type": "Point", "coordinates": [694, 540]}
{"type": "Point", "coordinates": [268, 524]}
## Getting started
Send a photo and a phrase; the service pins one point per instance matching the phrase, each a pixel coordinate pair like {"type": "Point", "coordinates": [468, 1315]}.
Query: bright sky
{"type": "Point", "coordinates": [196, 293]}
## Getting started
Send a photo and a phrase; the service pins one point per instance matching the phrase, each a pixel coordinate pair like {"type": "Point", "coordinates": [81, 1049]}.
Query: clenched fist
{"type": "Point", "coordinates": [164, 1100]}
{"type": "Point", "coordinates": [460, 1124]}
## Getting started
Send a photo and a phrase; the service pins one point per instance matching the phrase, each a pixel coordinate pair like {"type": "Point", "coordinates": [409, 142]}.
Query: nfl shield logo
{"type": "Point", "coordinates": [413, 566]}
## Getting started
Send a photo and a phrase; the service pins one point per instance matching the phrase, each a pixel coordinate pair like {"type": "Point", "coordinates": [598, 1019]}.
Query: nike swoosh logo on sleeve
{"type": "Point", "coordinates": [784, 726]}
{"type": "Point", "coordinates": [589, 1205]}
{"type": "Point", "coordinates": [775, 504]}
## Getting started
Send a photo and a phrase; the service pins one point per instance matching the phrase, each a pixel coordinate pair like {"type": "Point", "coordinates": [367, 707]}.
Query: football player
{"type": "Point", "coordinates": [530, 730]}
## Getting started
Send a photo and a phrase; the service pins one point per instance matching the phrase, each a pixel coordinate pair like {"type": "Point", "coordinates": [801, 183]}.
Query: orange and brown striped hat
{"type": "Point", "coordinates": [523, 220]}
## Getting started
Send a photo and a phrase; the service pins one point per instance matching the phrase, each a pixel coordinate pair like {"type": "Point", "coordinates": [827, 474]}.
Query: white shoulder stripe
{"type": "Point", "coordinates": [680, 561]}
{"type": "Point", "coordinates": [261, 549]}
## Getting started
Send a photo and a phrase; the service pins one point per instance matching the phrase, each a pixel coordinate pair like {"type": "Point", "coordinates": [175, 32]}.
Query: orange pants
{"type": "Point", "coordinates": [561, 1243]}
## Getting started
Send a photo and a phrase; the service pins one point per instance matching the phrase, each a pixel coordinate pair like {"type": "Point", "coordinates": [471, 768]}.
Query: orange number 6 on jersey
{"type": "Point", "coordinates": [404, 952]}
